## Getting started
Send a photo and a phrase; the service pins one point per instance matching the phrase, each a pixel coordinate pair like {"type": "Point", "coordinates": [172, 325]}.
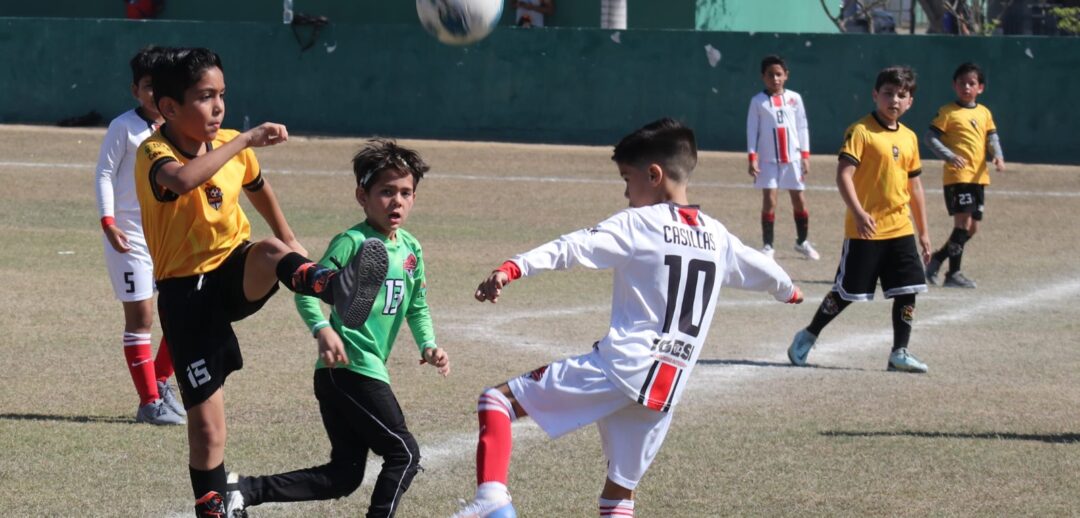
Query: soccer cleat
{"type": "Point", "coordinates": [958, 280]}
{"type": "Point", "coordinates": [169, 397]}
{"type": "Point", "coordinates": [807, 250]}
{"type": "Point", "coordinates": [932, 270]}
{"type": "Point", "coordinates": [234, 499]}
{"type": "Point", "coordinates": [211, 505]}
{"type": "Point", "coordinates": [800, 347]}
{"type": "Point", "coordinates": [768, 251]}
{"type": "Point", "coordinates": [487, 509]}
{"type": "Point", "coordinates": [901, 360]}
{"type": "Point", "coordinates": [356, 286]}
{"type": "Point", "coordinates": [157, 413]}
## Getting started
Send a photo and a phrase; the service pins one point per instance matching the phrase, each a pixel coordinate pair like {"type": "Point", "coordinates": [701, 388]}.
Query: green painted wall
{"type": "Point", "coordinates": [558, 85]}
{"type": "Point", "coordinates": [763, 16]}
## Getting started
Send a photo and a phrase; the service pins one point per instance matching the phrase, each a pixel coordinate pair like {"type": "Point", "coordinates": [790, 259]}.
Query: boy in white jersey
{"type": "Point", "coordinates": [126, 255]}
{"type": "Point", "coordinates": [669, 261]}
{"type": "Point", "coordinates": [778, 143]}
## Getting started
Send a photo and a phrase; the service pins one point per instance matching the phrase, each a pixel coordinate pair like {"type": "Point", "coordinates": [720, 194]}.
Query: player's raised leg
{"type": "Point", "coordinates": [496, 409]}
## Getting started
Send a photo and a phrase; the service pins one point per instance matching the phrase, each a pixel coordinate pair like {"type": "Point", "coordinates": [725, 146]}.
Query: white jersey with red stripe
{"type": "Point", "coordinates": [776, 127]}
{"type": "Point", "coordinates": [670, 262]}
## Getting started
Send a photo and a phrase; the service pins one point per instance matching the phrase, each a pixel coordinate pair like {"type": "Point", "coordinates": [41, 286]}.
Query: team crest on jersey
{"type": "Point", "coordinates": [536, 374]}
{"type": "Point", "coordinates": [792, 102]}
{"type": "Point", "coordinates": [895, 153]}
{"type": "Point", "coordinates": [410, 265]}
{"type": "Point", "coordinates": [974, 123]}
{"type": "Point", "coordinates": [213, 196]}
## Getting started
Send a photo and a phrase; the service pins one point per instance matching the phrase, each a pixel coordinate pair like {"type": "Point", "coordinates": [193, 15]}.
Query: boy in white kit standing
{"type": "Point", "coordinates": [778, 143]}
{"type": "Point", "coordinates": [669, 260]}
{"type": "Point", "coordinates": [126, 256]}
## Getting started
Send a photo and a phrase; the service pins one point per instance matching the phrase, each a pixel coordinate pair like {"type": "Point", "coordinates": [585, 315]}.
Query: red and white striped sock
{"type": "Point", "coordinates": [496, 443]}
{"type": "Point", "coordinates": [138, 353]}
{"type": "Point", "coordinates": [163, 366]}
{"type": "Point", "coordinates": [616, 508]}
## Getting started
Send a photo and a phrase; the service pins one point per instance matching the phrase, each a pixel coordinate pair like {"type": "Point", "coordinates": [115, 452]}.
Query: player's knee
{"type": "Point", "coordinates": [346, 478]}
{"type": "Point", "coordinates": [493, 399]}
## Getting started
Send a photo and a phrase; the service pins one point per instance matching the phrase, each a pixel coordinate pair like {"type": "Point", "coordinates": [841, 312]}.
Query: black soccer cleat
{"type": "Point", "coordinates": [356, 286]}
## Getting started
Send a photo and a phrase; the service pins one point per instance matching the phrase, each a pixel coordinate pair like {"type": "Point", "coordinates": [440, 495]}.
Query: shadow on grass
{"type": "Point", "coordinates": [760, 363]}
{"type": "Point", "coordinates": [68, 418]}
{"type": "Point", "coordinates": [1055, 438]}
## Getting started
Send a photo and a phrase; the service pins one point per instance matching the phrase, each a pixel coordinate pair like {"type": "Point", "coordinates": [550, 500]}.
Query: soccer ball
{"type": "Point", "coordinates": [459, 22]}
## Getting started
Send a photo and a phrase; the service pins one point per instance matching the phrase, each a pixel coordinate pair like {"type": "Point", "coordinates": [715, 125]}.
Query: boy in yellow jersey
{"type": "Point", "coordinates": [878, 177]}
{"type": "Point", "coordinates": [188, 178]}
{"type": "Point", "coordinates": [959, 135]}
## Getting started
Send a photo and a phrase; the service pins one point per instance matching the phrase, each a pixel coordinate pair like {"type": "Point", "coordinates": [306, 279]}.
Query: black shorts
{"type": "Point", "coordinates": [895, 261]}
{"type": "Point", "coordinates": [968, 198]}
{"type": "Point", "coordinates": [196, 315]}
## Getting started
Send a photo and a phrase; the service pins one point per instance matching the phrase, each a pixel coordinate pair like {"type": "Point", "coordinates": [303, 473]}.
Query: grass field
{"type": "Point", "coordinates": [993, 429]}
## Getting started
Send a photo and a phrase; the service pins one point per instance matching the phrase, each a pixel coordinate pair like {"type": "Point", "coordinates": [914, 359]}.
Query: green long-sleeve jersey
{"type": "Point", "coordinates": [403, 297]}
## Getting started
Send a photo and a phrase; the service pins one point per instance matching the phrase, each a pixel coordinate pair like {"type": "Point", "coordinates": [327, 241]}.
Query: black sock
{"type": "Point", "coordinates": [301, 275]}
{"type": "Point", "coordinates": [903, 313]}
{"type": "Point", "coordinates": [826, 312]}
{"type": "Point", "coordinates": [802, 226]}
{"type": "Point", "coordinates": [955, 248]}
{"type": "Point", "coordinates": [203, 482]}
{"type": "Point", "coordinates": [767, 223]}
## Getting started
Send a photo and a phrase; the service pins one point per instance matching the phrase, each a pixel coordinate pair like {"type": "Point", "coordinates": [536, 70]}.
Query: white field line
{"type": "Point", "coordinates": [540, 179]}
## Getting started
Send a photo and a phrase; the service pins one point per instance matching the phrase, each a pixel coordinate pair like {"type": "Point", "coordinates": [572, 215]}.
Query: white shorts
{"type": "Point", "coordinates": [131, 273]}
{"type": "Point", "coordinates": [574, 392]}
{"type": "Point", "coordinates": [787, 176]}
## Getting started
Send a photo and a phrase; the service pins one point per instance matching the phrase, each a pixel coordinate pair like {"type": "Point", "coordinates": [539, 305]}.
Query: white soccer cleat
{"type": "Point", "coordinates": [234, 500]}
{"type": "Point", "coordinates": [901, 360]}
{"type": "Point", "coordinates": [807, 250]}
{"type": "Point", "coordinates": [487, 509]}
{"type": "Point", "coordinates": [768, 251]}
{"type": "Point", "coordinates": [800, 347]}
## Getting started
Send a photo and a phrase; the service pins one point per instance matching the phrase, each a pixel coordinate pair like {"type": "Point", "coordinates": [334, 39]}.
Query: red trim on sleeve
{"type": "Point", "coordinates": [752, 157]}
{"type": "Point", "coordinates": [107, 221]}
{"type": "Point", "coordinates": [806, 154]}
{"type": "Point", "coordinates": [510, 269]}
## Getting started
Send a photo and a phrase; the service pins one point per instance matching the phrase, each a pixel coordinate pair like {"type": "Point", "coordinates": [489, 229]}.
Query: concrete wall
{"type": "Point", "coordinates": [558, 85]}
{"type": "Point", "coordinates": [761, 16]}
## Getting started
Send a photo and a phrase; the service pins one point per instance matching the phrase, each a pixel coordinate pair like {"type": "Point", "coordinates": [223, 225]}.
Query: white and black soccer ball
{"type": "Point", "coordinates": [459, 22]}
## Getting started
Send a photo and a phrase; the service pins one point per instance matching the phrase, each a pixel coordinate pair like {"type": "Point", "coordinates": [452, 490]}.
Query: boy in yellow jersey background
{"type": "Point", "coordinates": [960, 135]}
{"type": "Point", "coordinates": [878, 177]}
{"type": "Point", "coordinates": [189, 175]}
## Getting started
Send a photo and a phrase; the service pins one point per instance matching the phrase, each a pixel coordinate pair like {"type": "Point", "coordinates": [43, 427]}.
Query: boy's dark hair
{"type": "Point", "coordinates": [966, 68]}
{"type": "Point", "coordinates": [179, 69]}
{"type": "Point", "coordinates": [380, 154]}
{"type": "Point", "coordinates": [665, 142]}
{"type": "Point", "coordinates": [900, 76]}
{"type": "Point", "coordinates": [773, 59]}
{"type": "Point", "coordinates": [143, 63]}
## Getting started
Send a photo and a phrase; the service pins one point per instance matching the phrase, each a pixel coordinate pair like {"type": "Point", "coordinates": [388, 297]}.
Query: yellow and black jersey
{"type": "Point", "coordinates": [194, 232]}
{"type": "Point", "coordinates": [885, 159]}
{"type": "Point", "coordinates": [965, 131]}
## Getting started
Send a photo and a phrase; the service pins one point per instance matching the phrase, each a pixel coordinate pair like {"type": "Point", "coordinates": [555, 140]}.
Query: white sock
{"type": "Point", "coordinates": [492, 492]}
{"type": "Point", "coordinates": [616, 508]}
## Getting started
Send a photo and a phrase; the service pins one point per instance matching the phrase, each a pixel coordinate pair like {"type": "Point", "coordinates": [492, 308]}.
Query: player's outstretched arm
{"type": "Point", "coordinates": [181, 178]}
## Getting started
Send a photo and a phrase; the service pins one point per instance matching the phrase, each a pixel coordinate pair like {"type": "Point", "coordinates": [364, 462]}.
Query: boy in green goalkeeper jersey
{"type": "Point", "coordinates": [358, 407]}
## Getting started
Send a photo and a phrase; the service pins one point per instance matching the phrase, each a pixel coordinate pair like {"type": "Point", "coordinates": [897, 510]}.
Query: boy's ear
{"type": "Point", "coordinates": [168, 107]}
{"type": "Point", "coordinates": [656, 174]}
{"type": "Point", "coordinates": [135, 90]}
{"type": "Point", "coordinates": [360, 196]}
